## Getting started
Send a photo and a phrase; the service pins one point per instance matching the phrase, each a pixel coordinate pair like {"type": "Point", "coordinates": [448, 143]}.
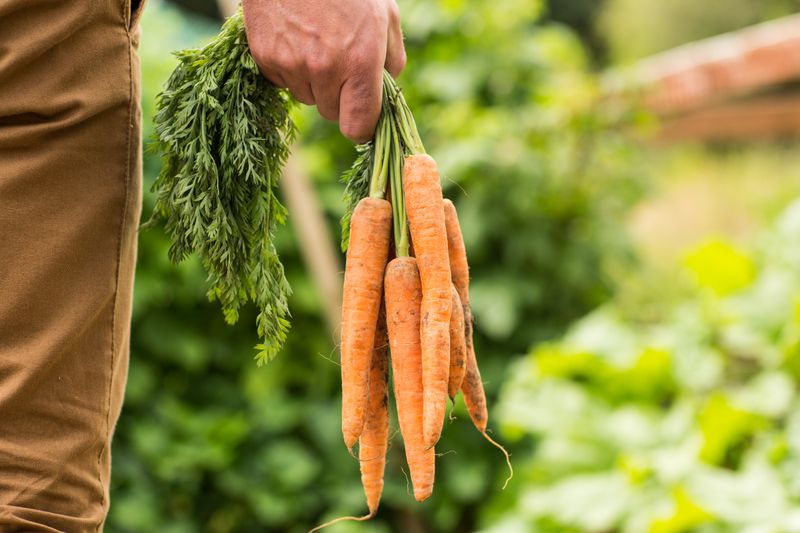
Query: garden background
{"type": "Point", "coordinates": [637, 302]}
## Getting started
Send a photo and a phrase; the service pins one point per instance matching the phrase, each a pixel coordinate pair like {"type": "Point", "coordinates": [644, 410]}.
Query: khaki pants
{"type": "Point", "coordinates": [70, 200]}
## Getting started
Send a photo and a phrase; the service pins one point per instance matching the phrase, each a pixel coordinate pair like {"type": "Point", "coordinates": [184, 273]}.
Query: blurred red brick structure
{"type": "Point", "coordinates": [739, 85]}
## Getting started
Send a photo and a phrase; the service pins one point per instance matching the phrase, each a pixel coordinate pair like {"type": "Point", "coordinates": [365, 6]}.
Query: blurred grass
{"type": "Point", "coordinates": [685, 424]}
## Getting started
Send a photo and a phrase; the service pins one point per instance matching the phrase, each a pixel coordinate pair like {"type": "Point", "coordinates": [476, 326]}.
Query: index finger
{"type": "Point", "coordinates": [360, 104]}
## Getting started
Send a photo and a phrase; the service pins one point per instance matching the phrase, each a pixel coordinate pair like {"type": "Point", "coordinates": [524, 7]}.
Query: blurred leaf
{"type": "Point", "coordinates": [720, 267]}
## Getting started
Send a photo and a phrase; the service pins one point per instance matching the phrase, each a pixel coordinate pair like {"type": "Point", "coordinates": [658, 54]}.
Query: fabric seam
{"type": "Point", "coordinates": [106, 443]}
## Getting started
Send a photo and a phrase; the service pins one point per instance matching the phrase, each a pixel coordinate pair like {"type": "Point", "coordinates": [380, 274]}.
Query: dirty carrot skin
{"type": "Point", "coordinates": [458, 346]}
{"type": "Point", "coordinates": [472, 386]}
{"type": "Point", "coordinates": [403, 296]}
{"type": "Point", "coordinates": [423, 202]}
{"type": "Point", "coordinates": [367, 253]}
{"type": "Point", "coordinates": [375, 437]}
{"type": "Point", "coordinates": [474, 395]}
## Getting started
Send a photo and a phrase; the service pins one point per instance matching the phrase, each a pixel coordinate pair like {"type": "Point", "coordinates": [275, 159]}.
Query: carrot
{"type": "Point", "coordinates": [375, 437]}
{"type": "Point", "coordinates": [472, 386]}
{"type": "Point", "coordinates": [403, 296]}
{"type": "Point", "coordinates": [367, 253]}
{"type": "Point", "coordinates": [423, 202]}
{"type": "Point", "coordinates": [458, 346]}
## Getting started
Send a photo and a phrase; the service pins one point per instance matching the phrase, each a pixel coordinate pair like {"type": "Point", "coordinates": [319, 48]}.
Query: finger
{"type": "Point", "coordinates": [274, 78]}
{"type": "Point", "coordinates": [326, 86]}
{"type": "Point", "coordinates": [327, 98]}
{"type": "Point", "coordinates": [360, 105]}
{"type": "Point", "coordinates": [301, 90]}
{"type": "Point", "coordinates": [395, 49]}
{"type": "Point", "coordinates": [270, 72]}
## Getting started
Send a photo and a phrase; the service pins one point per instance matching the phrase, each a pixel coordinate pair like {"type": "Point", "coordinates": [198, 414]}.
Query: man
{"type": "Point", "coordinates": [70, 201]}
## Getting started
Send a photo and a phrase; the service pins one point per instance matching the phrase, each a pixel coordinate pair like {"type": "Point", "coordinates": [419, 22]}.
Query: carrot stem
{"type": "Point", "coordinates": [380, 170]}
{"type": "Point", "coordinates": [404, 120]}
{"type": "Point", "coordinates": [398, 199]}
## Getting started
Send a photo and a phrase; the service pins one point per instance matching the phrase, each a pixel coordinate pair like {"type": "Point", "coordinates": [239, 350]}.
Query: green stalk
{"type": "Point", "coordinates": [399, 219]}
{"type": "Point", "coordinates": [380, 169]}
{"type": "Point", "coordinates": [404, 120]}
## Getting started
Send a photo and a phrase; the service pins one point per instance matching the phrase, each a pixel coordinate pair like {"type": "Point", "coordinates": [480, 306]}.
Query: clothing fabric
{"type": "Point", "coordinates": [70, 202]}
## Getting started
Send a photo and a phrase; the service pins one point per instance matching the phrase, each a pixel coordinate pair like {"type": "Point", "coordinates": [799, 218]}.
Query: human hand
{"type": "Point", "coordinates": [329, 53]}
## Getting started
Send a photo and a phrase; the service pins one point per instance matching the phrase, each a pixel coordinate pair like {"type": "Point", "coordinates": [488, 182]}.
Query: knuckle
{"type": "Point", "coordinates": [400, 61]}
{"type": "Point", "coordinates": [363, 60]}
{"type": "Point", "coordinates": [320, 65]}
{"type": "Point", "coordinates": [355, 129]}
{"type": "Point", "coordinates": [327, 112]}
{"type": "Point", "coordinates": [285, 63]}
{"type": "Point", "coordinates": [301, 96]}
{"type": "Point", "coordinates": [394, 12]}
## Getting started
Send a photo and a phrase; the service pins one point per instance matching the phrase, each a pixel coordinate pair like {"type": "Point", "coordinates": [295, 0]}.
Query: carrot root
{"type": "Point", "coordinates": [374, 439]}
{"type": "Point", "coordinates": [341, 519]}
{"type": "Point", "coordinates": [505, 453]}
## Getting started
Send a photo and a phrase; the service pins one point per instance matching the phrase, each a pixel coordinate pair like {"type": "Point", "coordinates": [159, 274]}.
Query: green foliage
{"type": "Point", "coordinates": [687, 424]}
{"type": "Point", "coordinates": [356, 180]}
{"type": "Point", "coordinates": [224, 132]}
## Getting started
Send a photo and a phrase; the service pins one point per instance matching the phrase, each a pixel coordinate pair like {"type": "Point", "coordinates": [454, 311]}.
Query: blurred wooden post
{"type": "Point", "coordinates": [314, 241]}
{"type": "Point", "coordinates": [227, 7]}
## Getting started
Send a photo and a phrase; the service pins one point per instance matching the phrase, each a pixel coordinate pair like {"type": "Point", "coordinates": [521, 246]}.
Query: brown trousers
{"type": "Point", "coordinates": [70, 200]}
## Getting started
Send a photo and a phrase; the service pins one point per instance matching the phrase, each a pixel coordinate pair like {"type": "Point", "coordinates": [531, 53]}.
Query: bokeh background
{"type": "Point", "coordinates": [634, 239]}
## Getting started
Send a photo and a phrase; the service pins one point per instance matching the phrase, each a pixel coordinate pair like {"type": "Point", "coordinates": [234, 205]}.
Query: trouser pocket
{"type": "Point", "coordinates": [136, 8]}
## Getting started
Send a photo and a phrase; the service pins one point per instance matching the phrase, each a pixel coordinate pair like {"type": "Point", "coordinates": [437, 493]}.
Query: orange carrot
{"type": "Point", "coordinates": [367, 253]}
{"type": "Point", "coordinates": [474, 395]}
{"type": "Point", "coordinates": [375, 437]}
{"type": "Point", "coordinates": [403, 296]}
{"type": "Point", "coordinates": [423, 202]}
{"type": "Point", "coordinates": [472, 386]}
{"type": "Point", "coordinates": [458, 346]}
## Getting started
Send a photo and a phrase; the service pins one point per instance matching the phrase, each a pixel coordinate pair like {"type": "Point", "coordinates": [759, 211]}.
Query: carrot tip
{"type": "Point", "coordinates": [422, 497]}
{"type": "Point", "coordinates": [350, 442]}
{"type": "Point", "coordinates": [505, 453]}
{"type": "Point", "coordinates": [431, 440]}
{"type": "Point", "coordinates": [342, 519]}
{"type": "Point", "coordinates": [450, 415]}
{"type": "Point", "coordinates": [350, 451]}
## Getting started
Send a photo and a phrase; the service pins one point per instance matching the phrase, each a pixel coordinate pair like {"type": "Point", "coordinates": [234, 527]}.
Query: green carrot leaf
{"type": "Point", "coordinates": [224, 133]}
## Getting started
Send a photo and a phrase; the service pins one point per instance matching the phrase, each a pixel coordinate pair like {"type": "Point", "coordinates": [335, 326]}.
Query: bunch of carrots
{"type": "Point", "coordinates": [406, 292]}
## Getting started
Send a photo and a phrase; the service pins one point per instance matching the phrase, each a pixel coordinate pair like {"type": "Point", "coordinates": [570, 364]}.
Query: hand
{"type": "Point", "coordinates": [330, 53]}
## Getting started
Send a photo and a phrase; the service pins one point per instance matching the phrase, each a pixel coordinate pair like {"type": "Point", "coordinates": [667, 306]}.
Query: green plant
{"type": "Point", "coordinates": [224, 132]}
{"type": "Point", "coordinates": [686, 424]}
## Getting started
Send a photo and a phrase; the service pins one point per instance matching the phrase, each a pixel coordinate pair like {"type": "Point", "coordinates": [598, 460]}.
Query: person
{"type": "Point", "coordinates": [70, 203]}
